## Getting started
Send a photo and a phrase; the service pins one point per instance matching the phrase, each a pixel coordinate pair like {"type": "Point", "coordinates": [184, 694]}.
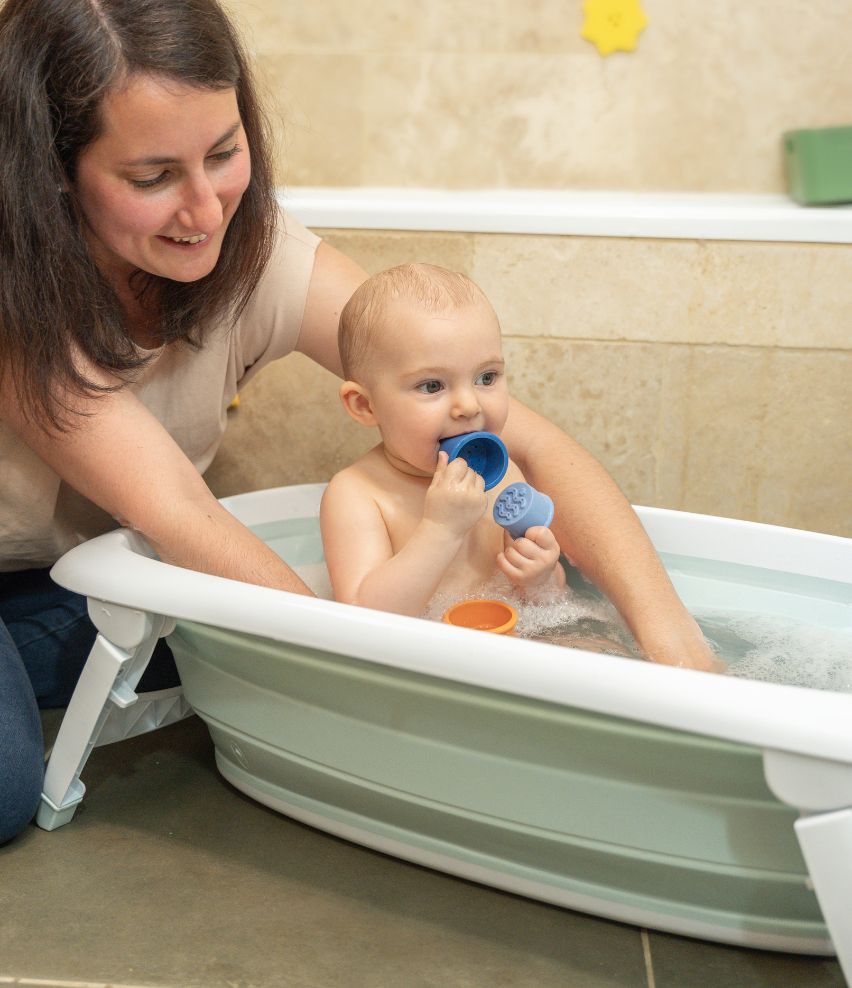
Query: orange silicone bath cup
{"type": "Point", "coordinates": [484, 615]}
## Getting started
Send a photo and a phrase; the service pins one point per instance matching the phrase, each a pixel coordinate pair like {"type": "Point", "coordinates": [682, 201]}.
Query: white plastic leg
{"type": "Point", "coordinates": [822, 789]}
{"type": "Point", "coordinates": [104, 706]}
{"type": "Point", "coordinates": [80, 726]}
{"type": "Point", "coordinates": [826, 842]}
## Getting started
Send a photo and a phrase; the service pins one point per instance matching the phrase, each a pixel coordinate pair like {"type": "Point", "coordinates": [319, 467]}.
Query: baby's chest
{"type": "Point", "coordinates": [482, 542]}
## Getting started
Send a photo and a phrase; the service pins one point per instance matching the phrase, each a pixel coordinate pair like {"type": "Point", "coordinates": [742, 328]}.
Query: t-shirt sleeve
{"type": "Point", "coordinates": [270, 324]}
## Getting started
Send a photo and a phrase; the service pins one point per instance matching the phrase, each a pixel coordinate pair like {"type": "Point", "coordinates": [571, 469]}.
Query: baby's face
{"type": "Point", "coordinates": [437, 376]}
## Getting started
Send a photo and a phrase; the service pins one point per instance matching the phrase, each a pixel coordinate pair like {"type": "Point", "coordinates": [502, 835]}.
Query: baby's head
{"type": "Point", "coordinates": [422, 358]}
{"type": "Point", "coordinates": [372, 314]}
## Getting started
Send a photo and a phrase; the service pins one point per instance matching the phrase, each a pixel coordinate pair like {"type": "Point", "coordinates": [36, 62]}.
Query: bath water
{"type": "Point", "coordinates": [767, 625]}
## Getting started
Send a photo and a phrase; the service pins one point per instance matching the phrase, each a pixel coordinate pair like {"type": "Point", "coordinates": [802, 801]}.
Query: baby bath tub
{"type": "Point", "coordinates": [704, 805]}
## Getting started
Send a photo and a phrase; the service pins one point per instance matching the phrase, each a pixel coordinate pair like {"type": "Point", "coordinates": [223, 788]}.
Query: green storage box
{"type": "Point", "coordinates": [818, 164]}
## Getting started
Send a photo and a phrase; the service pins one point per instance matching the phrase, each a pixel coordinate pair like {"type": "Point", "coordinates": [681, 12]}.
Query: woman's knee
{"type": "Point", "coordinates": [21, 743]}
{"type": "Point", "coordinates": [20, 782]}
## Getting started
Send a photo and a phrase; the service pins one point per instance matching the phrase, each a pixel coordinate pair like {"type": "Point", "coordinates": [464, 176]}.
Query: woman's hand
{"type": "Point", "coordinates": [681, 645]}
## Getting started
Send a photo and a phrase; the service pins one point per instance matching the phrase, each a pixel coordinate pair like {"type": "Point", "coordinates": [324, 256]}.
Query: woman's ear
{"type": "Point", "coordinates": [356, 401]}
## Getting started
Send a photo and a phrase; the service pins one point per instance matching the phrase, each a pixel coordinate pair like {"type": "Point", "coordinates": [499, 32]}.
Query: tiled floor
{"type": "Point", "coordinates": [169, 877]}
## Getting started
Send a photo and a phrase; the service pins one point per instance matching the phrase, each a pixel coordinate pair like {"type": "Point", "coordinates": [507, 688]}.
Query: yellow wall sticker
{"type": "Point", "coordinates": [613, 25]}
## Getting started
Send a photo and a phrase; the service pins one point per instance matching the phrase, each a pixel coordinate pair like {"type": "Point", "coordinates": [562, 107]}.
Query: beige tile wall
{"type": "Point", "coordinates": [712, 378]}
{"type": "Point", "coordinates": [492, 93]}
{"type": "Point", "coordinates": [706, 376]}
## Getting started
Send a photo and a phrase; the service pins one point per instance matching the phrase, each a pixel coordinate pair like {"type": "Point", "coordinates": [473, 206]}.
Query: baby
{"type": "Point", "coordinates": [421, 351]}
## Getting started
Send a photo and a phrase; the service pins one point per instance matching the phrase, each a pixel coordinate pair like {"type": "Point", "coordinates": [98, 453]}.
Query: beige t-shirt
{"type": "Point", "coordinates": [41, 517]}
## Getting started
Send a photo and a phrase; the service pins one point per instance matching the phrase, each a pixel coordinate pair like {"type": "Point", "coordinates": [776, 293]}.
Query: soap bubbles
{"type": "Point", "coordinates": [766, 647]}
{"type": "Point", "coordinates": [557, 617]}
{"type": "Point", "coordinates": [770, 648]}
{"type": "Point", "coordinates": [777, 649]}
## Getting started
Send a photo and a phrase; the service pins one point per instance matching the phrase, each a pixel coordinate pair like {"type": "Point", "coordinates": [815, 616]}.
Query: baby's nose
{"type": "Point", "coordinates": [465, 403]}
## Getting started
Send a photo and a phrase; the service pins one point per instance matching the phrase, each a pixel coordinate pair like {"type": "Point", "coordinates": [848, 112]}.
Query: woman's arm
{"type": "Point", "coordinates": [334, 279]}
{"type": "Point", "coordinates": [120, 457]}
{"type": "Point", "coordinates": [599, 531]}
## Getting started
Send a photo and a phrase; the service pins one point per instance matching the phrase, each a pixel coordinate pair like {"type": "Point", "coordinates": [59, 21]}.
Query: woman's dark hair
{"type": "Point", "coordinates": [58, 61]}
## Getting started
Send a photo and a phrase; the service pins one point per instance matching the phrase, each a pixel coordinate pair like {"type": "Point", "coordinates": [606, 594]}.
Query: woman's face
{"type": "Point", "coordinates": [160, 185]}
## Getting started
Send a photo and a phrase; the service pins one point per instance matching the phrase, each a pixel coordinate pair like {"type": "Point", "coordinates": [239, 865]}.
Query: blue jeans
{"type": "Point", "coordinates": [45, 638]}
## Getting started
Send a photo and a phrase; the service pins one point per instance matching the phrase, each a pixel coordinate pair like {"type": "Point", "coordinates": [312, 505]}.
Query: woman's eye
{"type": "Point", "coordinates": [220, 156]}
{"type": "Point", "coordinates": [429, 387]}
{"type": "Point", "coordinates": [226, 155]}
{"type": "Point", "coordinates": [149, 183]}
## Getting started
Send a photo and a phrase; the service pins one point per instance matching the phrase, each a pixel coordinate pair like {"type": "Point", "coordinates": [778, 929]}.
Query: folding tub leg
{"type": "Point", "coordinates": [826, 843]}
{"type": "Point", "coordinates": [125, 641]}
{"type": "Point", "coordinates": [822, 790]}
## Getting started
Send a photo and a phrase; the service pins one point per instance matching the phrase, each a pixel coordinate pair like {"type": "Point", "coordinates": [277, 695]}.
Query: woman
{"type": "Point", "coordinates": [146, 275]}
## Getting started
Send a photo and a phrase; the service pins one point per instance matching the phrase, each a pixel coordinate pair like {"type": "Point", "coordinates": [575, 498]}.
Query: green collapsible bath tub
{"type": "Point", "coordinates": [700, 804]}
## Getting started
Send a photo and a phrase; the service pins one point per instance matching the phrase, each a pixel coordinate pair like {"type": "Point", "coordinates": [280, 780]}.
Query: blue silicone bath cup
{"type": "Point", "coordinates": [485, 453]}
{"type": "Point", "coordinates": [520, 507]}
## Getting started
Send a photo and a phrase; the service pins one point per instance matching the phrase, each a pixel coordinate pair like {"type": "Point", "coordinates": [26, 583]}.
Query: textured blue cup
{"type": "Point", "coordinates": [484, 452]}
{"type": "Point", "coordinates": [520, 507]}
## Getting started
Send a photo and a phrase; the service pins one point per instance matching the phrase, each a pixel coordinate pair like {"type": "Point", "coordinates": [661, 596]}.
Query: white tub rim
{"type": "Point", "coordinates": [115, 569]}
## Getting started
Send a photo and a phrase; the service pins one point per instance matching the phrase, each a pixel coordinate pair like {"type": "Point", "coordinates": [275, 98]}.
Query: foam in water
{"type": "Point", "coordinates": [780, 650]}
{"type": "Point", "coordinates": [770, 648]}
{"type": "Point", "coordinates": [558, 618]}
{"type": "Point", "coordinates": [757, 646]}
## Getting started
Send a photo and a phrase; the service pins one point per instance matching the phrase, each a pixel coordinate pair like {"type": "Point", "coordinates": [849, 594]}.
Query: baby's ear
{"type": "Point", "coordinates": [356, 401]}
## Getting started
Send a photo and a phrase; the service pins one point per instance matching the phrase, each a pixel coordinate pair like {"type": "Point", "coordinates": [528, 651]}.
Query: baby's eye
{"type": "Point", "coordinates": [430, 387]}
{"type": "Point", "coordinates": [488, 378]}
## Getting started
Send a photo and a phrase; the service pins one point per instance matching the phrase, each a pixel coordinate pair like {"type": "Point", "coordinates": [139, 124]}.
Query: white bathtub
{"type": "Point", "coordinates": [705, 805]}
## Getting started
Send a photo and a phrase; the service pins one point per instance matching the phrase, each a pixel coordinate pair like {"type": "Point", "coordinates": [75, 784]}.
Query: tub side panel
{"type": "Point", "coordinates": [680, 824]}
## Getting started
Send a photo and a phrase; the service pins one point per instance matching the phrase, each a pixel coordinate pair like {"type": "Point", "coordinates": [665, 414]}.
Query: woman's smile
{"type": "Point", "coordinates": [194, 241]}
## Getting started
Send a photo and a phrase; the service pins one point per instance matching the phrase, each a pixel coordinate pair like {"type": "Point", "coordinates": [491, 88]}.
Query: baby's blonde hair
{"type": "Point", "coordinates": [433, 289]}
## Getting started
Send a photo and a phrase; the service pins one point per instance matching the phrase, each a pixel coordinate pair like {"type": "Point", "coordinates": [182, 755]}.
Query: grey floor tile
{"type": "Point", "coordinates": [10, 982]}
{"type": "Point", "coordinates": [167, 876]}
{"type": "Point", "coordinates": [679, 962]}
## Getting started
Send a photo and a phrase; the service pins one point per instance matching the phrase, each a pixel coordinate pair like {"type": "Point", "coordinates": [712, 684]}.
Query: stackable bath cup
{"type": "Point", "coordinates": [484, 452]}
{"type": "Point", "coordinates": [520, 507]}
{"type": "Point", "coordinates": [517, 508]}
{"type": "Point", "coordinates": [483, 615]}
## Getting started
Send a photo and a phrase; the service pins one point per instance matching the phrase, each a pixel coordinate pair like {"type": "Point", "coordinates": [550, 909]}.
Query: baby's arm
{"type": "Point", "coordinates": [363, 567]}
{"type": "Point", "coordinates": [532, 562]}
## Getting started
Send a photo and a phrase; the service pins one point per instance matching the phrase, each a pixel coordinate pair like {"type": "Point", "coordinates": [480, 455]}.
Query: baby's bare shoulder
{"type": "Point", "coordinates": [369, 476]}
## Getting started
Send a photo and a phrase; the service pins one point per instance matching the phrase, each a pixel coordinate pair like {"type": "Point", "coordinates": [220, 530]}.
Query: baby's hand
{"type": "Point", "coordinates": [532, 561]}
{"type": "Point", "coordinates": [456, 497]}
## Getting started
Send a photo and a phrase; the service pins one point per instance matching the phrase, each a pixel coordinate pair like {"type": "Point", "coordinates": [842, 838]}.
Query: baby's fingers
{"type": "Point", "coordinates": [438, 477]}
{"type": "Point", "coordinates": [508, 568]}
{"type": "Point", "coordinates": [542, 536]}
{"type": "Point", "coordinates": [449, 474]}
{"type": "Point", "coordinates": [462, 476]}
{"type": "Point", "coordinates": [518, 566]}
{"type": "Point", "coordinates": [526, 550]}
